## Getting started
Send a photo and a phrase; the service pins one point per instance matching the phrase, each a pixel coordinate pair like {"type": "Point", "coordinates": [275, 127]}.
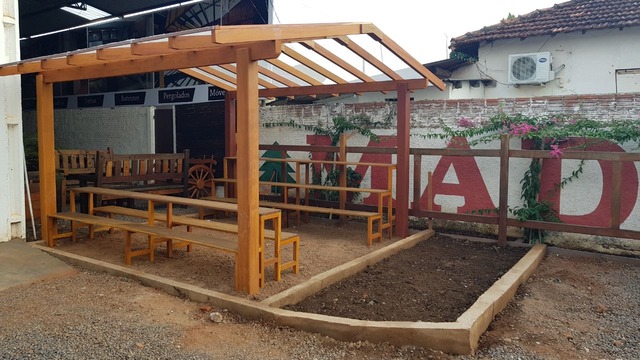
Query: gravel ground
{"type": "Point", "coordinates": [572, 308]}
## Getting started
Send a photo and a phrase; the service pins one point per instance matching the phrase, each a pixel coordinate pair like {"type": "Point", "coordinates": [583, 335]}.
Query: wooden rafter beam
{"type": "Point", "coordinates": [29, 67]}
{"type": "Point", "coordinates": [172, 44]}
{"type": "Point", "coordinates": [358, 50]}
{"type": "Point", "coordinates": [185, 42]}
{"type": "Point", "coordinates": [287, 32]}
{"type": "Point", "coordinates": [293, 71]}
{"type": "Point", "coordinates": [121, 53]}
{"type": "Point", "coordinates": [151, 48]}
{"type": "Point", "coordinates": [324, 52]}
{"type": "Point", "coordinates": [312, 65]}
{"type": "Point", "coordinates": [82, 59]}
{"type": "Point", "coordinates": [219, 74]}
{"type": "Point", "coordinates": [349, 88]}
{"type": "Point", "coordinates": [178, 60]}
{"type": "Point", "coordinates": [403, 55]}
{"type": "Point", "coordinates": [277, 77]}
{"type": "Point", "coordinates": [234, 70]}
{"type": "Point", "coordinates": [209, 80]}
{"type": "Point", "coordinates": [52, 64]}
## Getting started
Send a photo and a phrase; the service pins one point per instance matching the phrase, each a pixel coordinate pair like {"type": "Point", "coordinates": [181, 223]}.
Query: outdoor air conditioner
{"type": "Point", "coordinates": [532, 68]}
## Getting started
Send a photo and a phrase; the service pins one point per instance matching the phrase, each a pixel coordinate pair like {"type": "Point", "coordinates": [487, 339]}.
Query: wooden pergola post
{"type": "Point", "coordinates": [247, 276]}
{"type": "Point", "coordinates": [46, 159]}
{"type": "Point", "coordinates": [402, 172]}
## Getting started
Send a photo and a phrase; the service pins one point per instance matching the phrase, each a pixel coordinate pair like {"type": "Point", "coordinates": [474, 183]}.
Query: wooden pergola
{"type": "Point", "coordinates": [249, 61]}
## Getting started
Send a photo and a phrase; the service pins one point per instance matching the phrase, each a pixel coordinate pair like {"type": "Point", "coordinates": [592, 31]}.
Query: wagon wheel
{"type": "Point", "coordinates": [200, 177]}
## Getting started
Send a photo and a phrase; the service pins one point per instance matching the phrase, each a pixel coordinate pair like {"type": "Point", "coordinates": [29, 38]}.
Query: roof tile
{"type": "Point", "coordinates": [570, 16]}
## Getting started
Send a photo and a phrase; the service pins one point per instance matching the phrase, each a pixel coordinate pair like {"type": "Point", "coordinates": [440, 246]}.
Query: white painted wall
{"type": "Point", "coordinates": [584, 63]}
{"type": "Point", "coordinates": [126, 130]}
{"type": "Point", "coordinates": [12, 220]}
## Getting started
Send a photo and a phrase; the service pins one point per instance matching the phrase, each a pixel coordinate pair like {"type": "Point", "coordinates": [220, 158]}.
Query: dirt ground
{"type": "Point", "coordinates": [410, 286]}
{"type": "Point", "coordinates": [573, 307]}
{"type": "Point", "coordinates": [324, 244]}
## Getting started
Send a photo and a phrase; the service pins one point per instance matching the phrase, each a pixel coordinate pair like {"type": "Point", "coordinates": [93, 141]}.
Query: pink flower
{"type": "Point", "coordinates": [466, 122]}
{"type": "Point", "coordinates": [522, 129]}
{"type": "Point", "coordinates": [555, 152]}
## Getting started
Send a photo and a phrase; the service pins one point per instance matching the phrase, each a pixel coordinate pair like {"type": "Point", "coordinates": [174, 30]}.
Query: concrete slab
{"type": "Point", "coordinates": [21, 263]}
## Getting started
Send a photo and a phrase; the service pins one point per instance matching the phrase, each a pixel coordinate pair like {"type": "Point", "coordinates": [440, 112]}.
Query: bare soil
{"type": "Point", "coordinates": [436, 280]}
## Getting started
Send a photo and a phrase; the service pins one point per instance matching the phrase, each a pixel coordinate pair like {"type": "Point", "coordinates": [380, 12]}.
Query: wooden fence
{"type": "Point", "coordinates": [505, 155]}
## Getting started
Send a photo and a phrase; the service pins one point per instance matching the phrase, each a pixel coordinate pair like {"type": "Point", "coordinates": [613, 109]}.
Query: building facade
{"type": "Point", "coordinates": [12, 205]}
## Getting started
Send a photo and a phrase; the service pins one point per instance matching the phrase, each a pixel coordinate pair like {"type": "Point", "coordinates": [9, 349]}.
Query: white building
{"type": "Point", "coordinates": [573, 48]}
{"type": "Point", "coordinates": [12, 223]}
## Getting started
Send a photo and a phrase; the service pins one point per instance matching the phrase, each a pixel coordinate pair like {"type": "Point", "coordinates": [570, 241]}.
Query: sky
{"type": "Point", "coordinates": [422, 27]}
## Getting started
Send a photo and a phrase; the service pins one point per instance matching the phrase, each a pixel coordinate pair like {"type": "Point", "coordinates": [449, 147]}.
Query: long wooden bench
{"type": "Point", "coordinates": [156, 234]}
{"type": "Point", "coordinates": [286, 238]}
{"type": "Point", "coordinates": [372, 217]}
{"type": "Point", "coordinates": [297, 207]}
{"type": "Point", "coordinates": [150, 173]}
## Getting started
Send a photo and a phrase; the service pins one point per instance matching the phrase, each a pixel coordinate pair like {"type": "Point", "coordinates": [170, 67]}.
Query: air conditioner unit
{"type": "Point", "coordinates": [532, 68]}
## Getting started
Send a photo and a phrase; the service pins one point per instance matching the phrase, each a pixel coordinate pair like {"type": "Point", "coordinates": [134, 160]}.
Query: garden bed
{"type": "Point", "coordinates": [436, 280]}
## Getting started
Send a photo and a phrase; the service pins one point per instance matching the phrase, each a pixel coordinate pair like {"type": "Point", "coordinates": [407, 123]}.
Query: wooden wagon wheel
{"type": "Point", "coordinates": [200, 177]}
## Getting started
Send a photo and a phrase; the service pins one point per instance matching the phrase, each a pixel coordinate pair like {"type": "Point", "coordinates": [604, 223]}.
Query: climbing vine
{"type": "Point", "coordinates": [546, 133]}
{"type": "Point", "coordinates": [361, 124]}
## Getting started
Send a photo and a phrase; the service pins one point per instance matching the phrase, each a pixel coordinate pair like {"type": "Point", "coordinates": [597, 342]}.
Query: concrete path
{"type": "Point", "coordinates": [20, 263]}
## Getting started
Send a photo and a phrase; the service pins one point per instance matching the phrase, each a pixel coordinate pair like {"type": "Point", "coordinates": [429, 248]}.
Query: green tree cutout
{"type": "Point", "coordinates": [354, 124]}
{"type": "Point", "coordinates": [272, 170]}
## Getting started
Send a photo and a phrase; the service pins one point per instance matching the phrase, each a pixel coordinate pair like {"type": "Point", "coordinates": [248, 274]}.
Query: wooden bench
{"type": "Point", "coordinates": [156, 234]}
{"type": "Point", "coordinates": [285, 238]}
{"type": "Point", "coordinates": [297, 207]}
{"type": "Point", "coordinates": [149, 173]}
{"type": "Point", "coordinates": [74, 163]}
{"type": "Point", "coordinates": [371, 217]}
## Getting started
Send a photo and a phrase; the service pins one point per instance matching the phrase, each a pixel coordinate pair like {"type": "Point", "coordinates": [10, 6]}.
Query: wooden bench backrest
{"type": "Point", "coordinates": [76, 161]}
{"type": "Point", "coordinates": [148, 168]}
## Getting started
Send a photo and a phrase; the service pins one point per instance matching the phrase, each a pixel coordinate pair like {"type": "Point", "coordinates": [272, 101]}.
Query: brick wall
{"type": "Point", "coordinates": [427, 113]}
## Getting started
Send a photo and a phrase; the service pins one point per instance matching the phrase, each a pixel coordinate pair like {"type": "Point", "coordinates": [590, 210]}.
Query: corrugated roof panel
{"type": "Point", "coordinates": [119, 8]}
{"type": "Point", "coordinates": [38, 17]}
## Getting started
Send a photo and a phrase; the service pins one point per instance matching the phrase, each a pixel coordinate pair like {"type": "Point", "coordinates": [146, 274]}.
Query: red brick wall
{"type": "Point", "coordinates": [427, 113]}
